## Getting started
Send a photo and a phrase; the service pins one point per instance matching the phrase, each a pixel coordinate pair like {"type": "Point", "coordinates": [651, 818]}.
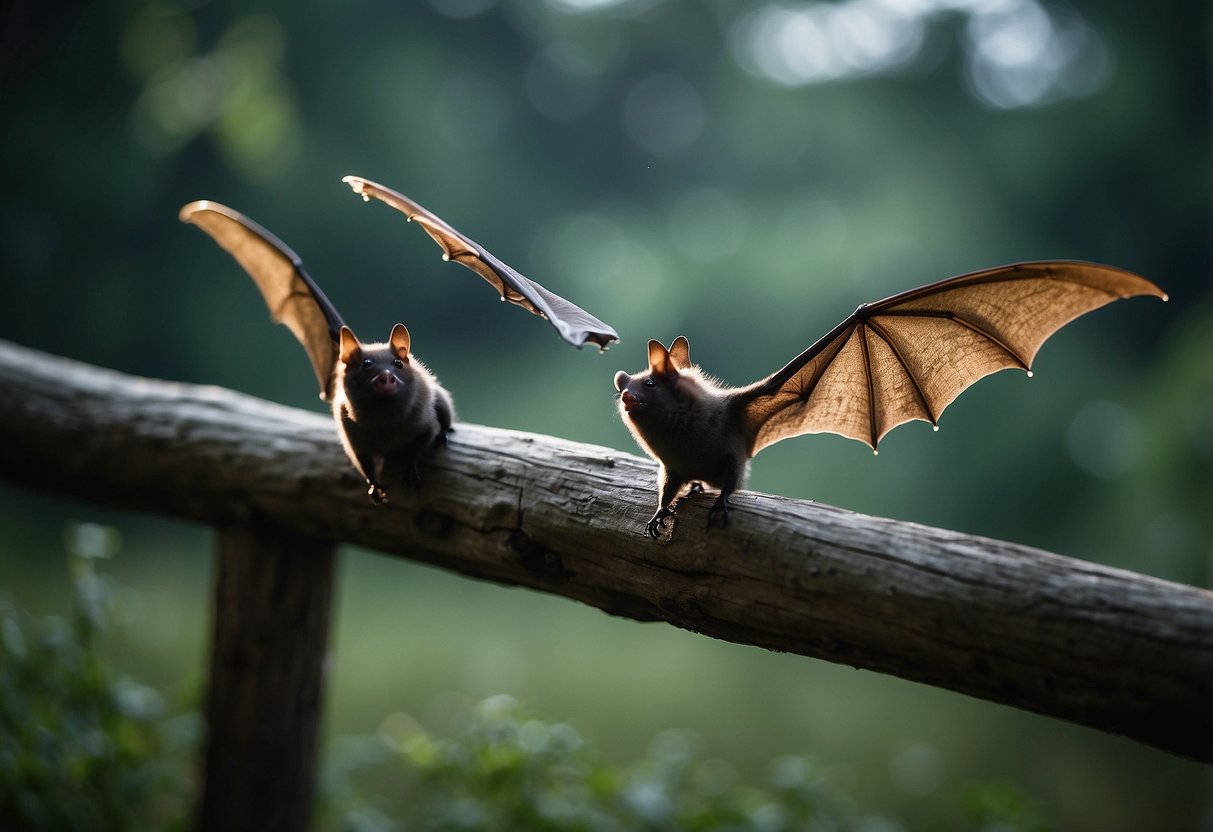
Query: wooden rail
{"type": "Point", "coordinates": [1102, 647]}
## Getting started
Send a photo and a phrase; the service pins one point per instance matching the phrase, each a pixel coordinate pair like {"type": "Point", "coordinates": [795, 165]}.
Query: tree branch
{"type": "Point", "coordinates": [1102, 647]}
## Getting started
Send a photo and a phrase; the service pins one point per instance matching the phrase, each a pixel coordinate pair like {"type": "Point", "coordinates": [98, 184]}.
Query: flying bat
{"type": "Point", "coordinates": [900, 359]}
{"type": "Point", "coordinates": [574, 324]}
{"type": "Point", "coordinates": [389, 409]}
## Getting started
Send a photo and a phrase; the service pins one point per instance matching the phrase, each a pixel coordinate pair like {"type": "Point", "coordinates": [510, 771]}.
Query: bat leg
{"type": "Point", "coordinates": [365, 463]}
{"type": "Point", "coordinates": [412, 474]}
{"type": "Point", "coordinates": [668, 486]}
{"type": "Point", "coordinates": [401, 465]}
{"type": "Point", "coordinates": [720, 508]}
{"type": "Point", "coordinates": [445, 414]}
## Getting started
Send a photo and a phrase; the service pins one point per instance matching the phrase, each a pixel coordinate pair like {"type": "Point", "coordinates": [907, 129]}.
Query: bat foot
{"type": "Point", "coordinates": [413, 477]}
{"type": "Point", "coordinates": [719, 508]}
{"type": "Point", "coordinates": [657, 524]}
{"type": "Point", "coordinates": [378, 495]}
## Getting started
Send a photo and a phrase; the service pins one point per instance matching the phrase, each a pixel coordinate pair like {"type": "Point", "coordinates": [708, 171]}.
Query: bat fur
{"type": "Point", "coordinates": [900, 359]}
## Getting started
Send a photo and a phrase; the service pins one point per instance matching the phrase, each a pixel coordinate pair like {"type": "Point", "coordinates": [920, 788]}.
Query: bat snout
{"type": "Point", "coordinates": [630, 401]}
{"type": "Point", "coordinates": [385, 384]}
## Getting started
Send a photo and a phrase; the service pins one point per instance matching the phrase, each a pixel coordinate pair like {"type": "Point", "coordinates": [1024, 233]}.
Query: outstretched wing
{"type": "Point", "coordinates": [574, 324]}
{"type": "Point", "coordinates": [908, 356]}
{"type": "Point", "coordinates": [291, 295]}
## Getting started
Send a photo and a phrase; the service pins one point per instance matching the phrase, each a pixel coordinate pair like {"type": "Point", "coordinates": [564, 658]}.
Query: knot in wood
{"type": "Point", "coordinates": [433, 523]}
{"type": "Point", "coordinates": [535, 557]}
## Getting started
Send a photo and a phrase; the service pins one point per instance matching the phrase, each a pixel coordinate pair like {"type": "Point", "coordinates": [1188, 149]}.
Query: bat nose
{"type": "Point", "coordinates": [385, 383]}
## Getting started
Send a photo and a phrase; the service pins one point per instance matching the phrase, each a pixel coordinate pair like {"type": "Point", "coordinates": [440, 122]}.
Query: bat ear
{"type": "Point", "coordinates": [349, 345]}
{"type": "Point", "coordinates": [680, 352]}
{"type": "Point", "coordinates": [400, 340]}
{"type": "Point", "coordinates": [621, 379]}
{"type": "Point", "coordinates": [659, 359]}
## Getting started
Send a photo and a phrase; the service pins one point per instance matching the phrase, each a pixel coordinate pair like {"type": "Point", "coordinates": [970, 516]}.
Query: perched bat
{"type": "Point", "coordinates": [574, 324]}
{"type": "Point", "coordinates": [389, 409]}
{"type": "Point", "coordinates": [902, 358]}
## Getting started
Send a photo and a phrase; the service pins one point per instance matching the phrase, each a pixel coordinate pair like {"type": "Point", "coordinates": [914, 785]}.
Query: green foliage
{"type": "Point", "coordinates": [1000, 807]}
{"type": "Point", "coordinates": [82, 747]}
{"type": "Point", "coordinates": [510, 771]}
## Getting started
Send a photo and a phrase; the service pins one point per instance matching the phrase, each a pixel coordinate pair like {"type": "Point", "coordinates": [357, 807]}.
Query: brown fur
{"type": "Point", "coordinates": [390, 410]}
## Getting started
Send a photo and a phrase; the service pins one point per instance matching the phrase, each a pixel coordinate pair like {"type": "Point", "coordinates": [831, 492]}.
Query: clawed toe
{"type": "Point", "coordinates": [657, 524]}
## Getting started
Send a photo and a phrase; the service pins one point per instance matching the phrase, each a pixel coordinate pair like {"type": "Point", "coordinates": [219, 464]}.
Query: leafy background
{"type": "Point", "coordinates": [742, 173]}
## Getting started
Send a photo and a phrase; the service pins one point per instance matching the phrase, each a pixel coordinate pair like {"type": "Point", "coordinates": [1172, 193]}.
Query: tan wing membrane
{"type": "Point", "coordinates": [291, 295]}
{"type": "Point", "coordinates": [574, 324]}
{"type": "Point", "coordinates": [909, 356]}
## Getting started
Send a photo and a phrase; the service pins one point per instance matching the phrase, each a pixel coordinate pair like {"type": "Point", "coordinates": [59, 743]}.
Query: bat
{"type": "Point", "coordinates": [389, 409]}
{"type": "Point", "coordinates": [574, 324]}
{"type": "Point", "coordinates": [900, 359]}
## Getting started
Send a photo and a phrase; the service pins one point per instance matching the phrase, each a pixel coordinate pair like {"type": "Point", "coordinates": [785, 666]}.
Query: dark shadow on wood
{"type": "Point", "coordinates": [273, 594]}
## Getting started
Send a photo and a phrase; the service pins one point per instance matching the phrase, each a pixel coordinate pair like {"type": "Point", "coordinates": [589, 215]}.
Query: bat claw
{"type": "Point", "coordinates": [721, 508]}
{"type": "Point", "coordinates": [378, 495]}
{"type": "Point", "coordinates": [657, 523]}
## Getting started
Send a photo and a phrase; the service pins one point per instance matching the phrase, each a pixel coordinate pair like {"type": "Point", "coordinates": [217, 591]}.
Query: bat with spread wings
{"type": "Point", "coordinates": [574, 324]}
{"type": "Point", "coordinates": [900, 359]}
{"type": "Point", "coordinates": [389, 409]}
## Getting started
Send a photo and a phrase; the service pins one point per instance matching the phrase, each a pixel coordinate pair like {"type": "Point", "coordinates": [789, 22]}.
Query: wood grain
{"type": "Point", "coordinates": [1103, 647]}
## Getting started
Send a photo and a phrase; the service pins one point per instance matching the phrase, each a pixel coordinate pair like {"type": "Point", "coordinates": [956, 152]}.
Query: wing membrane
{"type": "Point", "coordinates": [909, 356]}
{"type": "Point", "coordinates": [574, 324]}
{"type": "Point", "coordinates": [292, 296]}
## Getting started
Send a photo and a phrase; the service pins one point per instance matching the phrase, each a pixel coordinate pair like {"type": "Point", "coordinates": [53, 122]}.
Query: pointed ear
{"type": "Point", "coordinates": [400, 341]}
{"type": "Point", "coordinates": [680, 352]}
{"type": "Point", "coordinates": [659, 359]}
{"type": "Point", "coordinates": [349, 345]}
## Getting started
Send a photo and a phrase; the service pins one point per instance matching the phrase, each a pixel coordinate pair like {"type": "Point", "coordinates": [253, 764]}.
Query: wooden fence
{"type": "Point", "coordinates": [1102, 647]}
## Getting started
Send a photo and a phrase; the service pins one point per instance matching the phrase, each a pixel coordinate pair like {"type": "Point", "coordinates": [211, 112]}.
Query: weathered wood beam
{"type": "Point", "coordinates": [1103, 647]}
{"type": "Point", "coordinates": [273, 597]}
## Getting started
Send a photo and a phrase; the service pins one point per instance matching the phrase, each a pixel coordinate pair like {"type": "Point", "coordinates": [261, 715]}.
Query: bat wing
{"type": "Point", "coordinates": [909, 356]}
{"type": "Point", "coordinates": [292, 296]}
{"type": "Point", "coordinates": [574, 324]}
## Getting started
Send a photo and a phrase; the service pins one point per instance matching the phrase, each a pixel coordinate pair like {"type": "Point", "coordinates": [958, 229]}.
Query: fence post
{"type": "Point", "coordinates": [273, 593]}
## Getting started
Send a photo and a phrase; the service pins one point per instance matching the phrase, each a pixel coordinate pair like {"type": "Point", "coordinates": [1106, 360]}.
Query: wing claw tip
{"type": "Point", "coordinates": [186, 214]}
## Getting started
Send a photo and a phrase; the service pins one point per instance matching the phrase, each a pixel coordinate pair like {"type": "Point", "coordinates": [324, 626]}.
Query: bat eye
{"type": "Point", "coordinates": [398, 363]}
{"type": "Point", "coordinates": [648, 382]}
{"type": "Point", "coordinates": [366, 362]}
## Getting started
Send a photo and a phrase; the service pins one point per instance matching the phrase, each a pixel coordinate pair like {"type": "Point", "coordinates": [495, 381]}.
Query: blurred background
{"type": "Point", "coordinates": [743, 173]}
